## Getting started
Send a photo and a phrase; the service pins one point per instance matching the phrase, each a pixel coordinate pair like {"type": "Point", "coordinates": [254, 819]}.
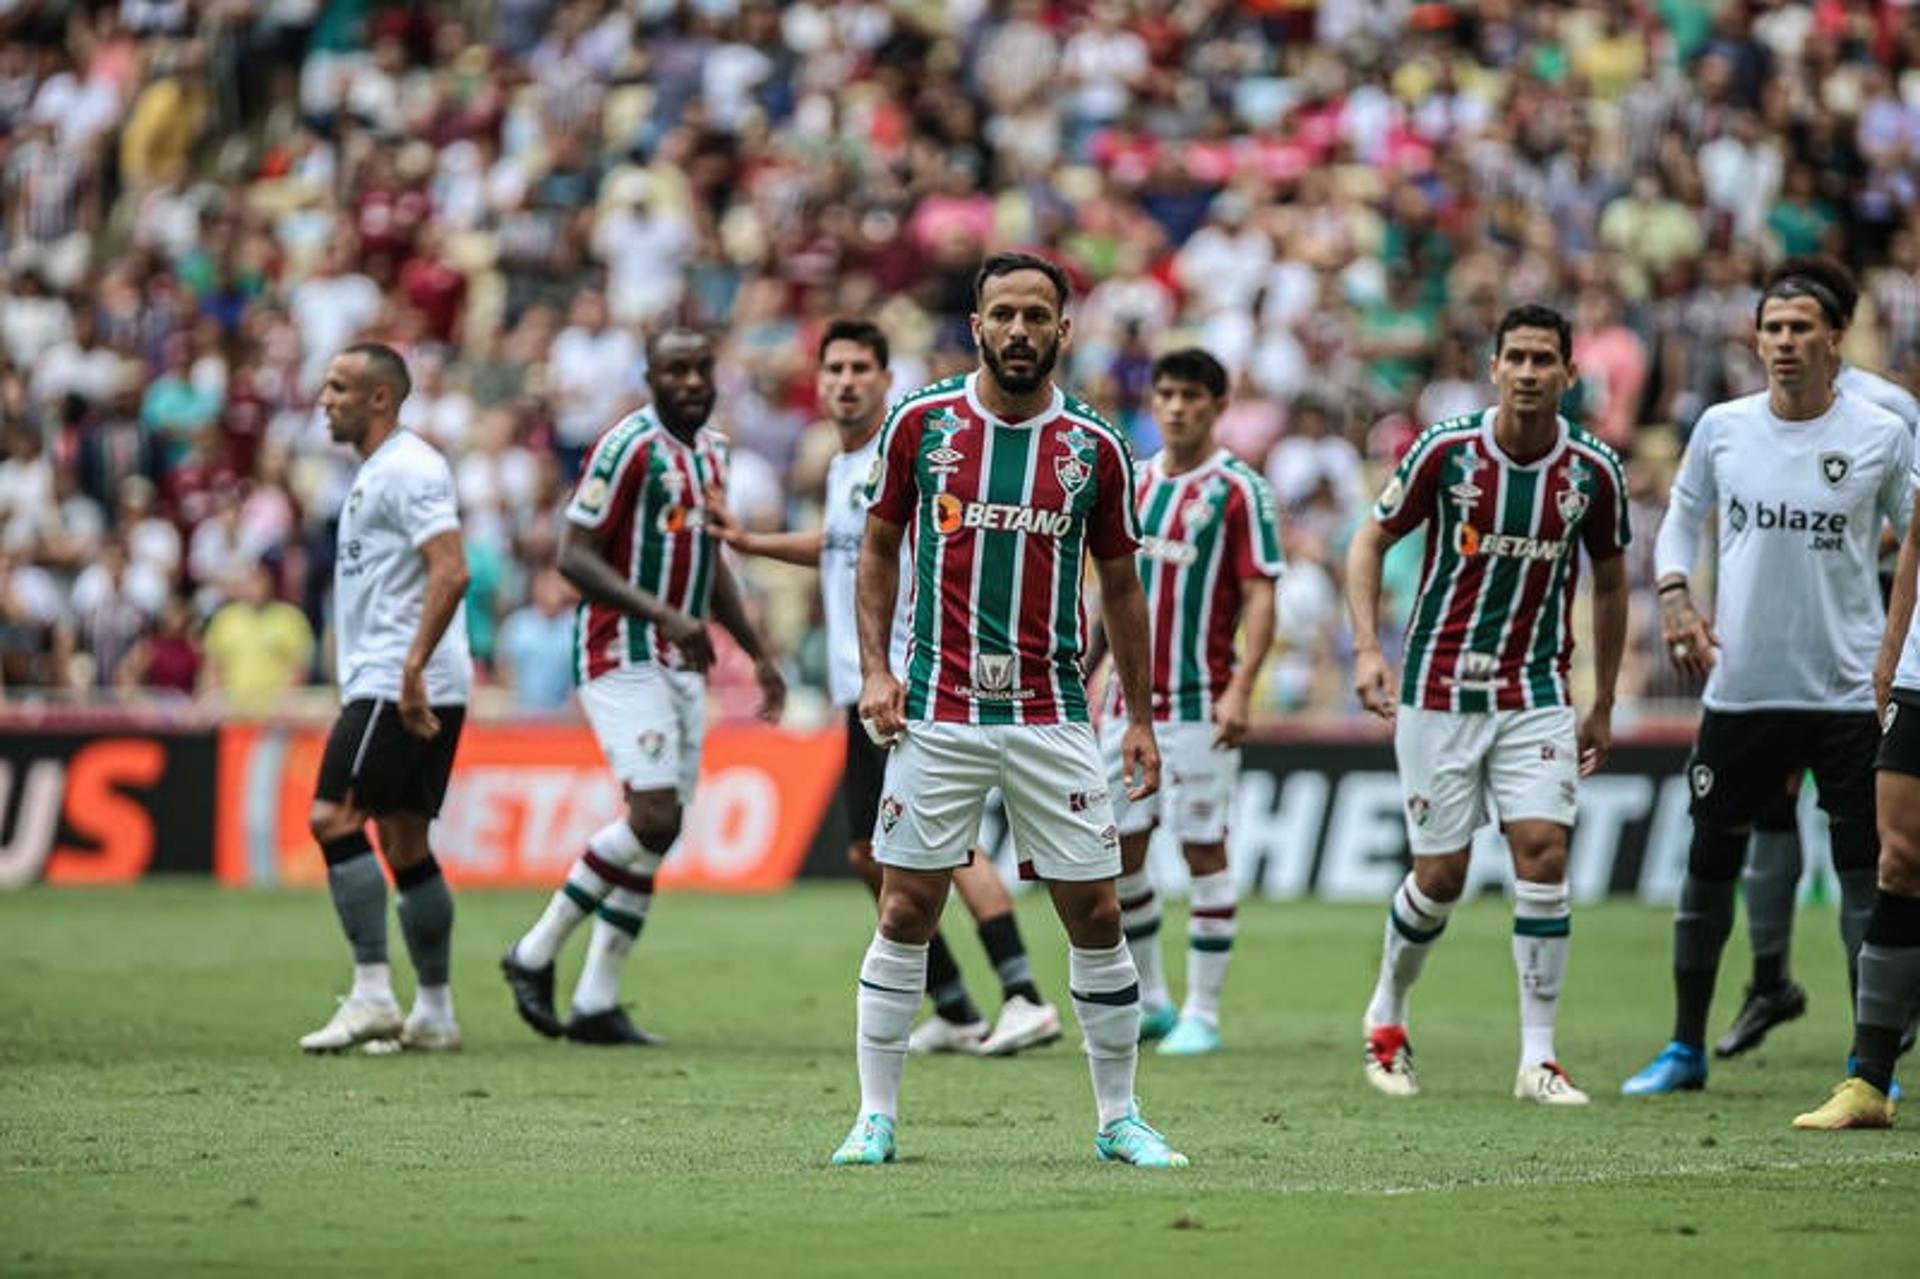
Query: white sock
{"type": "Point", "coordinates": [1140, 922]}
{"type": "Point", "coordinates": [612, 851]}
{"type": "Point", "coordinates": [1542, 933]}
{"type": "Point", "coordinates": [372, 981]}
{"type": "Point", "coordinates": [1210, 932]}
{"type": "Point", "coordinates": [433, 1003]}
{"type": "Point", "coordinates": [616, 925]}
{"type": "Point", "coordinates": [892, 977]}
{"type": "Point", "coordinates": [1414, 923]}
{"type": "Point", "coordinates": [1106, 999]}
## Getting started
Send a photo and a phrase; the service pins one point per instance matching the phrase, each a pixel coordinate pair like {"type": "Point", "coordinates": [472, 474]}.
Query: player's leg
{"type": "Point", "coordinates": [1062, 820]}
{"type": "Point", "coordinates": [1442, 758]}
{"type": "Point", "coordinates": [1026, 1020]}
{"type": "Point", "coordinates": [929, 815]}
{"type": "Point", "coordinates": [1841, 755]}
{"type": "Point", "coordinates": [1771, 885]}
{"type": "Point", "coordinates": [356, 883]}
{"type": "Point", "coordinates": [595, 1015]}
{"type": "Point", "coordinates": [1139, 902]}
{"type": "Point", "coordinates": [1196, 811]}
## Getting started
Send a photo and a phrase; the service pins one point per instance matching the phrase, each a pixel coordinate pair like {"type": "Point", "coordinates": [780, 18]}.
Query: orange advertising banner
{"type": "Point", "coordinates": [524, 799]}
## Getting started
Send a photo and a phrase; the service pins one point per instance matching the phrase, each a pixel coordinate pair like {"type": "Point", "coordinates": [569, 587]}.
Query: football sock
{"type": "Point", "coordinates": [616, 926]}
{"type": "Point", "coordinates": [359, 890]}
{"type": "Point", "coordinates": [433, 1003]}
{"type": "Point", "coordinates": [1889, 986]}
{"type": "Point", "coordinates": [426, 919]}
{"type": "Point", "coordinates": [1106, 999]}
{"type": "Point", "coordinates": [945, 987]}
{"type": "Point", "coordinates": [1001, 938]}
{"type": "Point", "coordinates": [1140, 922]}
{"type": "Point", "coordinates": [1700, 930]}
{"type": "Point", "coordinates": [614, 857]}
{"type": "Point", "coordinates": [1210, 931]}
{"type": "Point", "coordinates": [1859, 892]}
{"type": "Point", "coordinates": [1414, 923]}
{"type": "Point", "coordinates": [1542, 934]}
{"type": "Point", "coordinates": [891, 978]}
{"type": "Point", "coordinates": [1772, 885]}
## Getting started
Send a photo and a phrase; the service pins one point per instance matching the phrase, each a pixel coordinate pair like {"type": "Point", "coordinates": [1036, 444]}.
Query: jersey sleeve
{"type": "Point", "coordinates": [1896, 490]}
{"type": "Point", "coordinates": [1605, 532]}
{"type": "Point", "coordinates": [1676, 547]}
{"type": "Point", "coordinates": [425, 503]}
{"type": "Point", "coordinates": [1407, 501]}
{"type": "Point", "coordinates": [892, 489]}
{"type": "Point", "coordinates": [613, 468]}
{"type": "Point", "coordinates": [1113, 524]}
{"type": "Point", "coordinates": [1255, 529]}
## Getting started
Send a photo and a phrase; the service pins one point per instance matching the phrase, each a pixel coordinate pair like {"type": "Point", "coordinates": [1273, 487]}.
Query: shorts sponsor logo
{"type": "Point", "coordinates": [1081, 801]}
{"type": "Point", "coordinates": [1886, 717]}
{"type": "Point", "coordinates": [950, 515]}
{"type": "Point", "coordinates": [1110, 836]}
{"type": "Point", "coordinates": [1700, 777]}
{"type": "Point", "coordinates": [1200, 810]}
{"type": "Point", "coordinates": [653, 745]}
{"type": "Point", "coordinates": [1834, 468]}
{"type": "Point", "coordinates": [1419, 808]}
{"type": "Point", "coordinates": [1567, 794]}
{"type": "Point", "coordinates": [1549, 752]}
{"type": "Point", "coordinates": [890, 812]}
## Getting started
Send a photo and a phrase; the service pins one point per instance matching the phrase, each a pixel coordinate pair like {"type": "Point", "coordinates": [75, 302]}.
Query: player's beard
{"type": "Point", "coordinates": [1022, 383]}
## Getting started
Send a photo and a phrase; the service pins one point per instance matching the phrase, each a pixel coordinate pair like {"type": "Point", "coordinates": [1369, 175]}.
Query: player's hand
{"type": "Point", "coordinates": [720, 518]}
{"type": "Point", "coordinates": [1230, 719]}
{"type": "Point", "coordinates": [1690, 641]}
{"type": "Point", "coordinates": [416, 715]}
{"type": "Point", "coordinates": [1373, 682]}
{"type": "Point", "coordinates": [690, 638]}
{"type": "Point", "coordinates": [1140, 755]}
{"type": "Point", "coordinates": [773, 689]}
{"type": "Point", "coordinates": [883, 704]}
{"type": "Point", "coordinates": [1596, 739]}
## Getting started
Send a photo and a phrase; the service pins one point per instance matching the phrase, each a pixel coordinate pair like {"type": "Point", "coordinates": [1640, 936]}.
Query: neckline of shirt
{"type": "Point", "coordinates": [1056, 405]}
{"type": "Point", "coordinates": [1507, 459]}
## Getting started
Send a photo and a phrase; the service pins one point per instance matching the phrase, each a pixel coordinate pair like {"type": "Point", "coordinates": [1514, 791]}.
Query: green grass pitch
{"type": "Point", "coordinates": [156, 1117]}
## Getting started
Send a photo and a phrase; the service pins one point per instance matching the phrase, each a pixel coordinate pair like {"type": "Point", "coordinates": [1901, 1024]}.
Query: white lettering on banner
{"type": "Point", "coordinates": [731, 821]}
{"type": "Point", "coordinates": [1609, 803]}
{"type": "Point", "coordinates": [539, 818]}
{"type": "Point", "coordinates": [1277, 841]}
{"type": "Point", "coordinates": [29, 845]}
{"type": "Point", "coordinates": [1365, 839]}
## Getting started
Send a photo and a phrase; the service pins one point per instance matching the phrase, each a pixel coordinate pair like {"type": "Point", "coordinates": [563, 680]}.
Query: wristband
{"type": "Point", "coordinates": [1671, 586]}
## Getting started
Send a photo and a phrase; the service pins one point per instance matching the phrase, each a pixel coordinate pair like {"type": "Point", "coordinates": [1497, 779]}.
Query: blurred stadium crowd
{"type": "Point", "coordinates": [205, 198]}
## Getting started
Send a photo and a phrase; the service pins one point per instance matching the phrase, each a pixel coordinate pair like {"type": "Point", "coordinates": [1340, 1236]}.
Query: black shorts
{"type": "Point", "coordinates": [371, 757]}
{"type": "Point", "coordinates": [1744, 761]}
{"type": "Point", "coordinates": [1900, 734]}
{"type": "Point", "coordinates": [863, 778]}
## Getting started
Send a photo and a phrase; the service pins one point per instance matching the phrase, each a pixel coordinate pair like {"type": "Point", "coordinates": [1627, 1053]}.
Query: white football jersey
{"type": "Point", "coordinates": [1891, 396]}
{"type": "Point", "coordinates": [401, 497]}
{"type": "Point", "coordinates": [844, 526]}
{"type": "Point", "coordinates": [1800, 506]}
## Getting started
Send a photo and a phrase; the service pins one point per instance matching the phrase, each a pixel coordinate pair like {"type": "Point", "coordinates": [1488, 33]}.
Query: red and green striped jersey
{"type": "Point", "coordinates": [1204, 534]}
{"type": "Point", "coordinates": [643, 490]}
{"type": "Point", "coordinates": [1492, 624]}
{"type": "Point", "coordinates": [1003, 516]}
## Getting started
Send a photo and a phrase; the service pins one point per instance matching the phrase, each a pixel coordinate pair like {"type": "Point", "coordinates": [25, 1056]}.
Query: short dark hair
{"type": "Point", "coordinates": [1007, 263]}
{"type": "Point", "coordinates": [1534, 315]}
{"type": "Point", "coordinates": [1812, 276]}
{"type": "Point", "coordinates": [385, 367]}
{"type": "Point", "coordinates": [864, 332]}
{"type": "Point", "coordinates": [676, 331]}
{"type": "Point", "coordinates": [1191, 364]}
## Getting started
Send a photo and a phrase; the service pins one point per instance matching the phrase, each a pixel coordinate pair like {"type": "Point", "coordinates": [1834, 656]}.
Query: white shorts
{"type": "Point", "coordinates": [651, 722]}
{"type": "Point", "coordinates": [1196, 783]}
{"type": "Point", "coordinates": [1049, 777]}
{"type": "Point", "coordinates": [1527, 763]}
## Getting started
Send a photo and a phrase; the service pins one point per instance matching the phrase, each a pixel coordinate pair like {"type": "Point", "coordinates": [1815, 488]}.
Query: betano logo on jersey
{"type": "Point", "coordinates": [950, 515]}
{"type": "Point", "coordinates": [682, 519]}
{"type": "Point", "coordinates": [1169, 549]}
{"type": "Point", "coordinates": [1470, 541]}
{"type": "Point", "coordinates": [1828, 527]}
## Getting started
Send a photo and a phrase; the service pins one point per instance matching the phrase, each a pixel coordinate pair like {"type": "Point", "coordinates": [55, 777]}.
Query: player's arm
{"type": "Point", "coordinates": [1232, 712]}
{"type": "Point", "coordinates": [731, 613]}
{"type": "Point", "coordinates": [1372, 680]}
{"type": "Point", "coordinates": [883, 702]}
{"type": "Point", "coordinates": [1096, 649]}
{"type": "Point", "coordinates": [790, 548]}
{"type": "Point", "coordinates": [1899, 611]}
{"type": "Point", "coordinates": [446, 560]}
{"type": "Point", "coordinates": [1123, 608]}
{"type": "Point", "coordinates": [1676, 549]}
{"type": "Point", "coordinates": [583, 563]}
{"type": "Point", "coordinates": [1609, 643]}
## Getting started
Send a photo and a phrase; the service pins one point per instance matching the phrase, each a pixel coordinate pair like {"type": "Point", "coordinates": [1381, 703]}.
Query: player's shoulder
{"type": "Point", "coordinates": [1728, 414]}
{"type": "Point", "coordinates": [1871, 416]}
{"type": "Point", "coordinates": [1446, 434]}
{"type": "Point", "coordinates": [413, 455]}
{"type": "Point", "coordinates": [932, 395]}
{"type": "Point", "coordinates": [1881, 391]}
{"type": "Point", "coordinates": [1240, 475]}
{"type": "Point", "coordinates": [624, 436]}
{"type": "Point", "coordinates": [1077, 412]}
{"type": "Point", "coordinates": [1590, 446]}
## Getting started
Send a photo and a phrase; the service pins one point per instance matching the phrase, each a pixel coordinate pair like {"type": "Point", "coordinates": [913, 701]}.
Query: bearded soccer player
{"type": "Point", "coordinates": [852, 384]}
{"type": "Point", "coordinates": [1509, 499]}
{"type": "Point", "coordinates": [1771, 881]}
{"type": "Point", "coordinates": [1801, 477]}
{"type": "Point", "coordinates": [638, 545]}
{"type": "Point", "coordinates": [400, 628]}
{"type": "Point", "coordinates": [1007, 484]}
{"type": "Point", "coordinates": [1209, 558]}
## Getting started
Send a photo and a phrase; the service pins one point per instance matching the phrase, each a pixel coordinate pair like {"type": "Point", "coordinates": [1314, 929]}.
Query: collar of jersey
{"type": "Point", "coordinates": [1505, 459]}
{"type": "Point", "coordinates": [1212, 462]}
{"type": "Point", "coordinates": [1055, 407]}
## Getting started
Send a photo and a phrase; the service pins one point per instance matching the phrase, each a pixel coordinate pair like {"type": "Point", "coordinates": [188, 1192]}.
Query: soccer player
{"type": "Point", "coordinates": [1008, 483]}
{"type": "Point", "coordinates": [638, 546]}
{"type": "Point", "coordinates": [1209, 558]}
{"type": "Point", "coordinates": [400, 574]}
{"type": "Point", "coordinates": [1801, 477]}
{"type": "Point", "coordinates": [1888, 991]}
{"type": "Point", "coordinates": [1771, 880]}
{"type": "Point", "coordinates": [852, 383]}
{"type": "Point", "coordinates": [1508, 498]}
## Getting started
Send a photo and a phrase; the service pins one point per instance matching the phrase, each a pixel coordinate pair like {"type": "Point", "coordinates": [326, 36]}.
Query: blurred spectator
{"type": "Point", "coordinates": [257, 647]}
{"type": "Point", "coordinates": [535, 648]}
{"type": "Point", "coordinates": [167, 659]}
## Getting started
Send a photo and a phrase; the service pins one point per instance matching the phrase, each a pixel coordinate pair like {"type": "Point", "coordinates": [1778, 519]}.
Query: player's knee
{"type": "Point", "coordinates": [860, 857]}
{"type": "Point", "coordinates": [1900, 861]}
{"type": "Point", "coordinates": [328, 822]}
{"type": "Point", "coordinates": [1540, 856]}
{"type": "Point", "coordinates": [1441, 878]}
{"type": "Point", "coordinates": [655, 818]}
{"type": "Point", "coordinates": [1716, 854]}
{"type": "Point", "coordinates": [905, 918]}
